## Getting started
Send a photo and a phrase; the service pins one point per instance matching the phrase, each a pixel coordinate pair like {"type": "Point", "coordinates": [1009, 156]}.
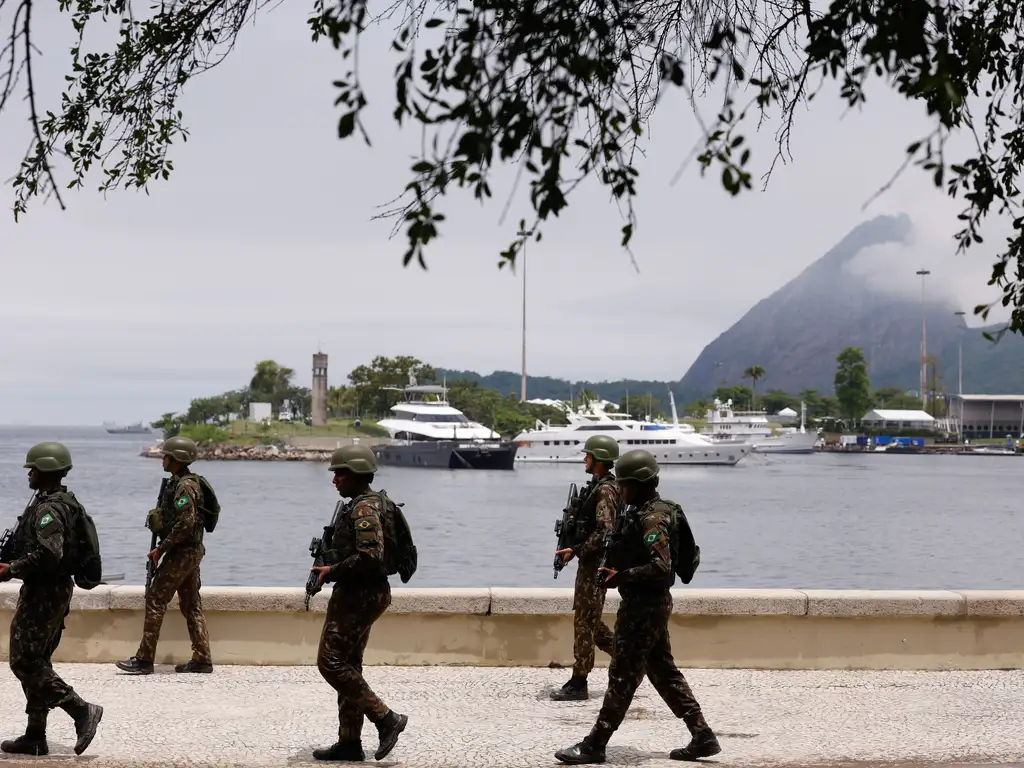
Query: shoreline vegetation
{"type": "Point", "coordinates": [221, 433]}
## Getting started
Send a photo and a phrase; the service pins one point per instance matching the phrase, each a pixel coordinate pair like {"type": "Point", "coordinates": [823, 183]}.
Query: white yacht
{"type": "Point", "coordinates": [426, 431]}
{"type": "Point", "coordinates": [671, 444]}
{"type": "Point", "coordinates": [728, 427]}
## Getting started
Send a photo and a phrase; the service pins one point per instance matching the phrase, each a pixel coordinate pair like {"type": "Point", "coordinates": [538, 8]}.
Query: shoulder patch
{"type": "Point", "coordinates": [45, 520]}
{"type": "Point", "coordinates": [364, 524]}
{"type": "Point", "coordinates": [181, 502]}
{"type": "Point", "coordinates": [651, 538]}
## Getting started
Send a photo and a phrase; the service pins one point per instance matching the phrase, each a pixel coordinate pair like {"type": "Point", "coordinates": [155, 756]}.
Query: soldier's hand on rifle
{"type": "Point", "coordinates": [608, 573]}
{"type": "Point", "coordinates": [5, 572]}
{"type": "Point", "coordinates": [155, 557]}
{"type": "Point", "coordinates": [322, 571]}
{"type": "Point", "coordinates": [565, 553]}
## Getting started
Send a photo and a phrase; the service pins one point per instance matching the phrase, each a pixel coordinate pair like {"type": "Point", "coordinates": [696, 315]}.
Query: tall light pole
{"type": "Point", "coordinates": [960, 359]}
{"type": "Point", "coordinates": [960, 379]}
{"type": "Point", "coordinates": [522, 387]}
{"type": "Point", "coordinates": [924, 343]}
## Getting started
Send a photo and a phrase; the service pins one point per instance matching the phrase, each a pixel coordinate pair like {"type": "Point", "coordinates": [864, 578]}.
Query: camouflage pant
{"type": "Point", "coordinates": [642, 645]}
{"type": "Point", "coordinates": [35, 634]}
{"type": "Point", "coordinates": [588, 628]}
{"type": "Point", "coordinates": [350, 615]}
{"type": "Point", "coordinates": [178, 572]}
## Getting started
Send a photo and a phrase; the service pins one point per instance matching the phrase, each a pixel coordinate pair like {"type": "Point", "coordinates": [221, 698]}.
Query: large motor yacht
{"type": "Point", "coordinates": [426, 431]}
{"type": "Point", "coordinates": [671, 444]}
{"type": "Point", "coordinates": [728, 427]}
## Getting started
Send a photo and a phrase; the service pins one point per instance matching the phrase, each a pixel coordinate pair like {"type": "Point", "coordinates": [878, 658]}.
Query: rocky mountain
{"type": "Point", "coordinates": [796, 333]}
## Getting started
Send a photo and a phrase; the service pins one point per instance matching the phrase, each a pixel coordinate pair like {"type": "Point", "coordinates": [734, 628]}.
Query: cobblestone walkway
{"type": "Point", "coordinates": [267, 716]}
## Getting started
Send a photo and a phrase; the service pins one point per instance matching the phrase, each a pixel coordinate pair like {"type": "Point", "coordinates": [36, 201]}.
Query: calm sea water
{"type": "Point", "coordinates": [823, 520]}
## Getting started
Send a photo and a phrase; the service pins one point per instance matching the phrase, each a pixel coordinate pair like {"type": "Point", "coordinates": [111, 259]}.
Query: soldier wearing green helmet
{"type": "Point", "coordinates": [355, 563]}
{"type": "Point", "coordinates": [178, 522]}
{"type": "Point", "coordinates": [45, 545]}
{"type": "Point", "coordinates": [598, 507]}
{"type": "Point", "coordinates": [641, 566]}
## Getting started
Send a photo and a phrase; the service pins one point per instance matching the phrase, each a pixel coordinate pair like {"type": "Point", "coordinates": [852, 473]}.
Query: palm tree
{"type": "Point", "coordinates": [755, 373]}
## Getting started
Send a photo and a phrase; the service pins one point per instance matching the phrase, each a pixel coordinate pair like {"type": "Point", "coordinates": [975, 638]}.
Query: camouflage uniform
{"type": "Point", "coordinates": [641, 627]}
{"type": "Point", "coordinates": [644, 575]}
{"type": "Point", "coordinates": [360, 596]}
{"type": "Point", "coordinates": [181, 552]}
{"type": "Point", "coordinates": [589, 595]}
{"type": "Point", "coordinates": [181, 548]}
{"type": "Point", "coordinates": [43, 551]}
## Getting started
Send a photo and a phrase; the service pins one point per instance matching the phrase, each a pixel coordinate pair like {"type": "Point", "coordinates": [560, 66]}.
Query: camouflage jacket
{"type": "Point", "coordinates": [646, 559]}
{"type": "Point", "coordinates": [359, 540]}
{"type": "Point", "coordinates": [182, 521]}
{"type": "Point", "coordinates": [43, 541]}
{"type": "Point", "coordinates": [604, 503]}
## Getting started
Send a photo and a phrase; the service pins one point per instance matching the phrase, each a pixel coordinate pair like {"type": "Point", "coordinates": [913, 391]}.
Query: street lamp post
{"type": "Point", "coordinates": [522, 384]}
{"type": "Point", "coordinates": [960, 379]}
{"type": "Point", "coordinates": [924, 343]}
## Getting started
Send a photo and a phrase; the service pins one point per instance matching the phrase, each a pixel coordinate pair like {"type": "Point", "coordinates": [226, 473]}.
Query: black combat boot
{"type": "Point", "coordinates": [346, 751]}
{"type": "Point", "coordinates": [34, 740]}
{"type": "Point", "coordinates": [388, 729]}
{"type": "Point", "coordinates": [201, 667]}
{"type": "Point", "coordinates": [134, 666]}
{"type": "Point", "coordinates": [87, 718]}
{"type": "Point", "coordinates": [703, 743]}
{"type": "Point", "coordinates": [582, 753]}
{"type": "Point", "coordinates": [574, 690]}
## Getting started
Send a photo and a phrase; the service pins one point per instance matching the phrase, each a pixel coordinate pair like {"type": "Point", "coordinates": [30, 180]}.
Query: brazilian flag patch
{"type": "Point", "coordinates": [364, 524]}
{"type": "Point", "coordinates": [651, 537]}
{"type": "Point", "coordinates": [45, 520]}
{"type": "Point", "coordinates": [181, 502]}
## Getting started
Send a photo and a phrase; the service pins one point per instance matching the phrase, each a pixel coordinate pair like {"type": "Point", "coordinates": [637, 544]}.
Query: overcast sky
{"type": "Point", "coordinates": [261, 246]}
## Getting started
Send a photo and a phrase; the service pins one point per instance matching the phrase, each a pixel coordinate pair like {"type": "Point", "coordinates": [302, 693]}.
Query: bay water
{"type": "Point", "coordinates": [858, 521]}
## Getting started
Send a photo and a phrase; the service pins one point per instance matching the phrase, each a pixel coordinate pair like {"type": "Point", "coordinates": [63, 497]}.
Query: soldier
{"type": "Point", "coordinates": [361, 595]}
{"type": "Point", "coordinates": [642, 570]}
{"type": "Point", "coordinates": [179, 523]}
{"type": "Point", "coordinates": [44, 551]}
{"type": "Point", "coordinates": [599, 508]}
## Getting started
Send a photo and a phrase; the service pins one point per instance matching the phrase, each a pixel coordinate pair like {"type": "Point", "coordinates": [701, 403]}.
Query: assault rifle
{"type": "Point", "coordinates": [9, 538]}
{"type": "Point", "coordinates": [319, 548]}
{"type": "Point", "coordinates": [150, 568]}
{"type": "Point", "coordinates": [565, 526]}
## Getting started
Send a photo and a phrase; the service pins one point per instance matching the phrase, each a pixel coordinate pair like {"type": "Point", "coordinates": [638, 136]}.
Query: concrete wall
{"type": "Point", "coordinates": [728, 628]}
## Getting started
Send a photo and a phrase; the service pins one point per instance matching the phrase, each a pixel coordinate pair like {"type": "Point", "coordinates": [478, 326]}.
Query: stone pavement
{"type": "Point", "coordinates": [480, 717]}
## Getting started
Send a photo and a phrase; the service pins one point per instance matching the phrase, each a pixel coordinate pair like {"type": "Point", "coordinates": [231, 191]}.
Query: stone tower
{"type": "Point", "coordinates": [319, 390]}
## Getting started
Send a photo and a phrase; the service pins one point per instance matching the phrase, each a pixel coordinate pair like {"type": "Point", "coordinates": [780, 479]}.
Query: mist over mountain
{"type": "Point", "coordinates": [863, 293]}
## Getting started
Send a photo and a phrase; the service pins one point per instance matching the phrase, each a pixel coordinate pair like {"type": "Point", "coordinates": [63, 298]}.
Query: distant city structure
{"type": "Point", "coordinates": [319, 397]}
{"type": "Point", "coordinates": [987, 416]}
{"type": "Point", "coordinates": [259, 411]}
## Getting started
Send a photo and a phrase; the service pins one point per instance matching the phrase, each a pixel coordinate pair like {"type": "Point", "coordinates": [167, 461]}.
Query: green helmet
{"type": "Point", "coordinates": [355, 458]}
{"type": "Point", "coordinates": [602, 448]}
{"type": "Point", "coordinates": [180, 448]}
{"type": "Point", "coordinates": [638, 465]}
{"type": "Point", "coordinates": [48, 457]}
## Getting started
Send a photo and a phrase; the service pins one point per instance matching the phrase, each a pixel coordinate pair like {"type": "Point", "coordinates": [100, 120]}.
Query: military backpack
{"type": "Point", "coordinates": [209, 507]}
{"type": "Point", "coordinates": [685, 552]}
{"type": "Point", "coordinates": [86, 564]}
{"type": "Point", "coordinates": [399, 550]}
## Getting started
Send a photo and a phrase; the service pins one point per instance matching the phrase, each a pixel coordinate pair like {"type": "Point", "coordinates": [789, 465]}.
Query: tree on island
{"type": "Point", "coordinates": [853, 388]}
{"type": "Point", "coordinates": [563, 89]}
{"type": "Point", "coordinates": [755, 373]}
